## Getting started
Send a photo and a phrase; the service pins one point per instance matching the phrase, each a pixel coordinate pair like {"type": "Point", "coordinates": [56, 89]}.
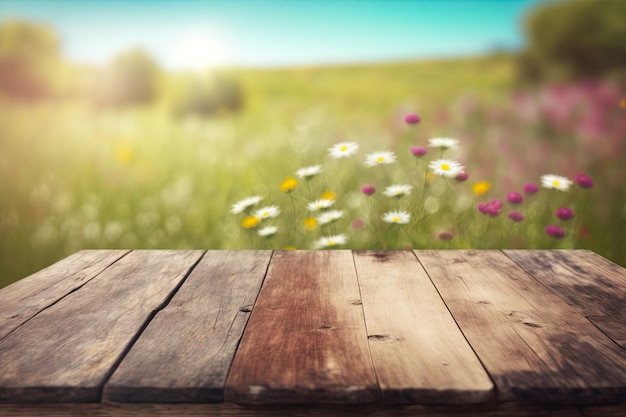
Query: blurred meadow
{"type": "Point", "coordinates": [131, 154]}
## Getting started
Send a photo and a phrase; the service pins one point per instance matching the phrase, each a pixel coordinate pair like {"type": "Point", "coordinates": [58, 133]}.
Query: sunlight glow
{"type": "Point", "coordinates": [197, 49]}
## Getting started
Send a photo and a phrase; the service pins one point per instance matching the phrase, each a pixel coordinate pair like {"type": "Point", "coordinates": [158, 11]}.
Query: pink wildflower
{"type": "Point", "coordinates": [358, 224]}
{"type": "Point", "coordinates": [418, 151]}
{"type": "Point", "coordinates": [491, 208]}
{"type": "Point", "coordinates": [514, 197]}
{"type": "Point", "coordinates": [463, 176]}
{"type": "Point", "coordinates": [530, 188]}
{"type": "Point", "coordinates": [412, 119]}
{"type": "Point", "coordinates": [584, 181]}
{"type": "Point", "coordinates": [555, 231]}
{"type": "Point", "coordinates": [368, 189]}
{"type": "Point", "coordinates": [565, 213]}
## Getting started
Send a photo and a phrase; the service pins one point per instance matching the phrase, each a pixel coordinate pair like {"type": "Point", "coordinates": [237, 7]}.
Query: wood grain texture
{"type": "Point", "coordinates": [305, 341]}
{"type": "Point", "coordinates": [66, 352]}
{"type": "Point", "coordinates": [534, 345]}
{"type": "Point", "coordinates": [23, 299]}
{"type": "Point", "coordinates": [595, 286]}
{"type": "Point", "coordinates": [419, 353]}
{"type": "Point", "coordinates": [354, 410]}
{"type": "Point", "coordinates": [186, 351]}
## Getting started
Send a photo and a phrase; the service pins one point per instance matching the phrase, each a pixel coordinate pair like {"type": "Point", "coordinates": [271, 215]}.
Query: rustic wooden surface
{"type": "Point", "coordinates": [186, 351]}
{"type": "Point", "coordinates": [68, 350]}
{"type": "Point", "coordinates": [367, 333]}
{"type": "Point", "coordinates": [306, 340]}
{"type": "Point", "coordinates": [534, 345]}
{"type": "Point", "coordinates": [25, 298]}
{"type": "Point", "coordinates": [107, 409]}
{"type": "Point", "coordinates": [405, 315]}
{"type": "Point", "coordinates": [592, 284]}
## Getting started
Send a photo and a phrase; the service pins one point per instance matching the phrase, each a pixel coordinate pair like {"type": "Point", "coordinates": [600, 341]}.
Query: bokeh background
{"type": "Point", "coordinates": [138, 124]}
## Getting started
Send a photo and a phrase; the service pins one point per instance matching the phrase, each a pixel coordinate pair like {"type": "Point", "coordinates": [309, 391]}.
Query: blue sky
{"type": "Point", "coordinates": [194, 34]}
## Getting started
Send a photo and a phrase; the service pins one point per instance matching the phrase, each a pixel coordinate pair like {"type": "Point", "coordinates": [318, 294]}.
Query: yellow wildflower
{"type": "Point", "coordinates": [328, 195]}
{"type": "Point", "coordinates": [288, 185]}
{"type": "Point", "coordinates": [250, 222]}
{"type": "Point", "coordinates": [310, 223]}
{"type": "Point", "coordinates": [123, 153]}
{"type": "Point", "coordinates": [290, 248]}
{"type": "Point", "coordinates": [481, 187]}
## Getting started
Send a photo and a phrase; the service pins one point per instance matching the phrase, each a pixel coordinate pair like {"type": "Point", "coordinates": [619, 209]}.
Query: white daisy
{"type": "Point", "coordinates": [446, 168]}
{"type": "Point", "coordinates": [267, 231]}
{"type": "Point", "coordinates": [320, 204]}
{"type": "Point", "coordinates": [329, 217]}
{"type": "Point", "coordinates": [555, 181]}
{"type": "Point", "coordinates": [398, 190]}
{"type": "Point", "coordinates": [445, 143]}
{"type": "Point", "coordinates": [397, 217]}
{"type": "Point", "coordinates": [343, 150]}
{"type": "Point", "coordinates": [309, 172]}
{"type": "Point", "coordinates": [330, 241]}
{"type": "Point", "coordinates": [379, 158]}
{"type": "Point", "coordinates": [267, 212]}
{"type": "Point", "coordinates": [240, 206]}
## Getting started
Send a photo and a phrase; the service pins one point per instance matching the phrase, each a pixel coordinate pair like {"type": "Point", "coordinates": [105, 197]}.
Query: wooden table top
{"type": "Point", "coordinates": [284, 332]}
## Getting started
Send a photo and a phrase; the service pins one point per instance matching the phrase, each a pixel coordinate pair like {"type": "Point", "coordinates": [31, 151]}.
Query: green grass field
{"type": "Point", "coordinates": [73, 177]}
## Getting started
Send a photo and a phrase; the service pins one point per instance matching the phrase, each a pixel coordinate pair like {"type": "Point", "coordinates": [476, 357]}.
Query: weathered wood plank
{"type": "Point", "coordinates": [369, 410]}
{"type": "Point", "coordinates": [186, 351]}
{"type": "Point", "coordinates": [585, 280]}
{"type": "Point", "coordinates": [534, 345]}
{"type": "Point", "coordinates": [306, 340]}
{"type": "Point", "coordinates": [23, 299]}
{"type": "Point", "coordinates": [419, 353]}
{"type": "Point", "coordinates": [66, 352]}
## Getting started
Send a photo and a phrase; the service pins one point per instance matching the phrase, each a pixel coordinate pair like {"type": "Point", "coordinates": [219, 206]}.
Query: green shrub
{"type": "Point", "coordinates": [130, 79]}
{"type": "Point", "coordinates": [28, 54]}
{"type": "Point", "coordinates": [575, 39]}
{"type": "Point", "coordinates": [208, 95]}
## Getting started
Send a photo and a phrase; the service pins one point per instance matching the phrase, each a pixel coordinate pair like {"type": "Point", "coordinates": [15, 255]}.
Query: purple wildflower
{"type": "Point", "coordinates": [418, 151]}
{"type": "Point", "coordinates": [565, 213]}
{"type": "Point", "coordinates": [445, 236]}
{"type": "Point", "coordinates": [516, 216]}
{"type": "Point", "coordinates": [368, 189]}
{"type": "Point", "coordinates": [584, 181]}
{"type": "Point", "coordinates": [358, 224]}
{"type": "Point", "coordinates": [530, 188]}
{"type": "Point", "coordinates": [497, 204]}
{"type": "Point", "coordinates": [463, 176]}
{"type": "Point", "coordinates": [491, 208]}
{"type": "Point", "coordinates": [555, 231]}
{"type": "Point", "coordinates": [514, 197]}
{"type": "Point", "coordinates": [412, 119]}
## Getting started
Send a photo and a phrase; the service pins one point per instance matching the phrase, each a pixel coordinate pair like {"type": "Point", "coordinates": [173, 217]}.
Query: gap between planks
{"type": "Point", "coordinates": [25, 299]}
{"type": "Point", "coordinates": [419, 353]}
{"type": "Point", "coordinates": [186, 351]}
{"type": "Point", "coordinates": [143, 327]}
{"type": "Point", "coordinates": [65, 353]}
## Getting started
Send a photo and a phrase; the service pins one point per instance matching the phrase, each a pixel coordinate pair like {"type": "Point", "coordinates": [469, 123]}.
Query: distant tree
{"type": "Point", "coordinates": [130, 79]}
{"type": "Point", "coordinates": [575, 38]}
{"type": "Point", "coordinates": [28, 53]}
{"type": "Point", "coordinates": [208, 95]}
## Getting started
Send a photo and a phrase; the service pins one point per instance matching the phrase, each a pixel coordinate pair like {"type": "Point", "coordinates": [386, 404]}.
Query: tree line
{"type": "Point", "coordinates": [565, 40]}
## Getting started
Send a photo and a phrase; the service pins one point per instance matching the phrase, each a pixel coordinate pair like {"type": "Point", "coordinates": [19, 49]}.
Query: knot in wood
{"type": "Point", "coordinates": [384, 338]}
